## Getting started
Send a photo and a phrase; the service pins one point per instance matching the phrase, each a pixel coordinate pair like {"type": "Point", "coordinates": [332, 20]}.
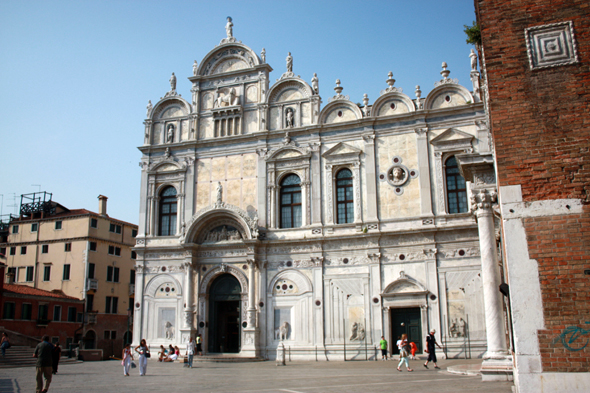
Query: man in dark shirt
{"type": "Point", "coordinates": [430, 343]}
{"type": "Point", "coordinates": [44, 355]}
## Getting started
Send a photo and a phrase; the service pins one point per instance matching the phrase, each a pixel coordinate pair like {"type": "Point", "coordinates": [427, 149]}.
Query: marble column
{"type": "Point", "coordinates": [188, 295]}
{"type": "Point", "coordinates": [251, 312]}
{"type": "Point", "coordinates": [138, 332]}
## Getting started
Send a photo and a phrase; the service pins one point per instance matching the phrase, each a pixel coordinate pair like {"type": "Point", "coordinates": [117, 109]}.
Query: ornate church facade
{"type": "Point", "coordinates": [266, 216]}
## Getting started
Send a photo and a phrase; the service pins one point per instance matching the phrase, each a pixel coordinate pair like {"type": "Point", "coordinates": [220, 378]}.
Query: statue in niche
{"type": "Point", "coordinates": [289, 63]}
{"type": "Point", "coordinates": [462, 327]}
{"type": "Point", "coordinates": [287, 138]}
{"type": "Point", "coordinates": [289, 120]}
{"type": "Point", "coordinates": [263, 55]}
{"type": "Point", "coordinates": [195, 67]}
{"type": "Point", "coordinates": [229, 99]}
{"type": "Point", "coordinates": [149, 108]}
{"type": "Point", "coordinates": [354, 332]}
{"type": "Point", "coordinates": [173, 82]}
{"type": "Point", "coordinates": [473, 57]}
{"type": "Point", "coordinates": [314, 83]}
{"type": "Point", "coordinates": [219, 193]}
{"type": "Point", "coordinates": [170, 134]}
{"type": "Point", "coordinates": [229, 28]}
{"type": "Point", "coordinates": [282, 333]}
{"type": "Point", "coordinates": [361, 333]}
{"type": "Point", "coordinates": [453, 328]}
{"type": "Point", "coordinates": [169, 330]}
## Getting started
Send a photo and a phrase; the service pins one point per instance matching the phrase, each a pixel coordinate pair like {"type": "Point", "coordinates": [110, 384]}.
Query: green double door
{"type": "Point", "coordinates": [406, 321]}
{"type": "Point", "coordinates": [224, 315]}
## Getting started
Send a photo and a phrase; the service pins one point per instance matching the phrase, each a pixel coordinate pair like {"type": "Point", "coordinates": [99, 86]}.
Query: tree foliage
{"type": "Point", "coordinates": [473, 34]}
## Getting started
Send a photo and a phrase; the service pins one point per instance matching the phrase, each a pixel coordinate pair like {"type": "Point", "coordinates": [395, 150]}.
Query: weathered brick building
{"type": "Point", "coordinates": [536, 61]}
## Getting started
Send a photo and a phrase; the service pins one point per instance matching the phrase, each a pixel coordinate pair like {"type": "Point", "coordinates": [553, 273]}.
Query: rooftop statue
{"type": "Point", "coordinates": [473, 57]}
{"type": "Point", "coordinates": [289, 63]}
{"type": "Point", "coordinates": [149, 108]}
{"type": "Point", "coordinates": [195, 67]}
{"type": "Point", "coordinates": [173, 82]}
{"type": "Point", "coordinates": [263, 55]}
{"type": "Point", "coordinates": [229, 28]}
{"type": "Point", "coordinates": [314, 83]}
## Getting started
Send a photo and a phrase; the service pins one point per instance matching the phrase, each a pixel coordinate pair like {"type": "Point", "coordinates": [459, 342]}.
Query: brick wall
{"type": "Point", "coordinates": [561, 246]}
{"type": "Point", "coordinates": [540, 121]}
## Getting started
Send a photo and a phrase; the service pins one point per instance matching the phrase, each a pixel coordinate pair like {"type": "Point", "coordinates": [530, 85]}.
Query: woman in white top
{"type": "Point", "coordinates": [403, 353]}
{"type": "Point", "coordinates": [127, 358]}
{"type": "Point", "coordinates": [190, 352]}
{"type": "Point", "coordinates": [144, 353]}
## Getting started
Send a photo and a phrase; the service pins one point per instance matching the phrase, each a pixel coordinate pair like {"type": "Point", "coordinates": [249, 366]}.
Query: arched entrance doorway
{"type": "Point", "coordinates": [90, 340]}
{"type": "Point", "coordinates": [224, 315]}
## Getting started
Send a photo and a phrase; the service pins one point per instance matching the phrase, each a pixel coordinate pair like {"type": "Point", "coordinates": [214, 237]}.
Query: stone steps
{"type": "Point", "coordinates": [21, 356]}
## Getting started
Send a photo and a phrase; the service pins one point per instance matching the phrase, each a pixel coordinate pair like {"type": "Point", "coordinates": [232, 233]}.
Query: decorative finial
{"type": "Point", "coordinates": [366, 104]}
{"type": "Point", "coordinates": [445, 73]}
{"type": "Point", "coordinates": [418, 95]}
{"type": "Point", "coordinates": [418, 91]}
{"type": "Point", "coordinates": [390, 81]}
{"type": "Point", "coordinates": [338, 89]}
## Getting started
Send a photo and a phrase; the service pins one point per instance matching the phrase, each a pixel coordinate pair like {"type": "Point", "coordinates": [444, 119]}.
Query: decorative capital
{"type": "Point", "coordinates": [421, 131]}
{"type": "Point", "coordinates": [369, 139]}
{"type": "Point", "coordinates": [483, 200]}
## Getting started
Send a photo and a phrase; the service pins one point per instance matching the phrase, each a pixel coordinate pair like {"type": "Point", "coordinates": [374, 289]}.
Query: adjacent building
{"type": "Point", "coordinates": [268, 214]}
{"type": "Point", "coordinates": [536, 62]}
{"type": "Point", "coordinates": [79, 254]}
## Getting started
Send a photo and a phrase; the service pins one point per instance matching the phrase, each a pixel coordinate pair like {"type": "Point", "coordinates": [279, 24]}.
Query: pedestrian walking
{"type": "Point", "coordinates": [144, 354]}
{"type": "Point", "coordinates": [404, 349]}
{"type": "Point", "coordinates": [190, 352]}
{"type": "Point", "coordinates": [383, 344]}
{"type": "Point", "coordinates": [44, 355]}
{"type": "Point", "coordinates": [56, 354]}
{"type": "Point", "coordinates": [199, 347]}
{"type": "Point", "coordinates": [5, 344]}
{"type": "Point", "coordinates": [127, 358]}
{"type": "Point", "coordinates": [430, 343]}
{"type": "Point", "coordinates": [413, 350]}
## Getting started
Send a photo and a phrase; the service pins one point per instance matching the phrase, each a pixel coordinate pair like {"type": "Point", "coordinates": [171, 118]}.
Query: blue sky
{"type": "Point", "coordinates": [76, 76]}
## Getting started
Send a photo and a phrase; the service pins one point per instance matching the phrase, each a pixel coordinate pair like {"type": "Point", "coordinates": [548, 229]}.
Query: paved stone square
{"type": "Point", "coordinates": [296, 377]}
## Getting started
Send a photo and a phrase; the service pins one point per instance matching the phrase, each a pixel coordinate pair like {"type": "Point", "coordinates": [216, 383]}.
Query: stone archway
{"type": "Point", "coordinates": [224, 315]}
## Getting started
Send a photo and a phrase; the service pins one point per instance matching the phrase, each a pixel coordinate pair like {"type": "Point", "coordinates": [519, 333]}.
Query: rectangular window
{"type": "Point", "coordinates": [107, 334]}
{"type": "Point", "coordinates": [113, 334]}
{"type": "Point", "coordinates": [134, 233]}
{"type": "Point", "coordinates": [89, 302]}
{"type": "Point", "coordinates": [30, 272]}
{"type": "Point", "coordinates": [15, 229]}
{"type": "Point", "coordinates": [58, 225]}
{"type": "Point", "coordinates": [34, 227]}
{"type": "Point", "coordinates": [132, 277]}
{"type": "Point", "coordinates": [47, 273]}
{"type": "Point", "coordinates": [112, 274]}
{"type": "Point", "coordinates": [92, 246]}
{"type": "Point", "coordinates": [66, 275]}
{"type": "Point", "coordinates": [91, 268]}
{"type": "Point", "coordinates": [111, 306]}
{"type": "Point", "coordinates": [3, 250]}
{"type": "Point", "coordinates": [57, 313]}
{"type": "Point", "coordinates": [27, 312]}
{"type": "Point", "coordinates": [45, 249]}
{"type": "Point", "coordinates": [23, 250]}
{"type": "Point", "coordinates": [72, 314]}
{"type": "Point", "coordinates": [115, 251]}
{"type": "Point", "coordinates": [133, 255]}
{"type": "Point", "coordinates": [93, 223]}
{"type": "Point", "coordinates": [43, 312]}
{"type": "Point", "coordinates": [115, 228]}
{"type": "Point", "coordinates": [8, 310]}
{"type": "Point", "coordinates": [12, 250]}
{"type": "Point", "coordinates": [68, 247]}
{"type": "Point", "coordinates": [79, 317]}
{"type": "Point", "coordinates": [14, 272]}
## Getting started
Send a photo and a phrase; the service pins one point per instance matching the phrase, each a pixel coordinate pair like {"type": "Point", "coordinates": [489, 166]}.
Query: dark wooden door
{"type": "Point", "coordinates": [408, 321]}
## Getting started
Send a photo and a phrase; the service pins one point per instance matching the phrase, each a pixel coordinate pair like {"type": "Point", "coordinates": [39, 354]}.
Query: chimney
{"type": "Point", "coordinates": [102, 205]}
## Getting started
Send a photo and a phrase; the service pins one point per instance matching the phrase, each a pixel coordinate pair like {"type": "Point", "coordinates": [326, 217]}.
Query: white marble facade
{"type": "Point", "coordinates": [226, 153]}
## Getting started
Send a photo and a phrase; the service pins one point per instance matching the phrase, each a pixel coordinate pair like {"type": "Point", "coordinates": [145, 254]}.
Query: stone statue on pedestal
{"type": "Point", "coordinates": [289, 63]}
{"type": "Point", "coordinates": [229, 28]}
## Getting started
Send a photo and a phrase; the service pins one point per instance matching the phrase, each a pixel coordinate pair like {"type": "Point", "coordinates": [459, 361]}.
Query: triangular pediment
{"type": "Point", "coordinates": [452, 135]}
{"type": "Point", "coordinates": [342, 149]}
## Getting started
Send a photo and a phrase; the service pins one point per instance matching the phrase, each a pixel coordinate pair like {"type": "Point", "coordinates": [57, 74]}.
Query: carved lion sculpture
{"type": "Point", "coordinates": [282, 332]}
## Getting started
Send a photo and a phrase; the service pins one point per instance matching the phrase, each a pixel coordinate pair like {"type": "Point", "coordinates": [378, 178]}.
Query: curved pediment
{"type": "Point", "coordinates": [404, 285]}
{"type": "Point", "coordinates": [171, 107]}
{"type": "Point", "coordinates": [291, 89]}
{"type": "Point", "coordinates": [394, 103]}
{"type": "Point", "coordinates": [228, 57]}
{"type": "Point", "coordinates": [448, 95]}
{"type": "Point", "coordinates": [290, 282]}
{"type": "Point", "coordinates": [340, 111]}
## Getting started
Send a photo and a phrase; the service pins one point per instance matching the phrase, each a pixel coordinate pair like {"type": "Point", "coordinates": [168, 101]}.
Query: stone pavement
{"type": "Point", "coordinates": [266, 377]}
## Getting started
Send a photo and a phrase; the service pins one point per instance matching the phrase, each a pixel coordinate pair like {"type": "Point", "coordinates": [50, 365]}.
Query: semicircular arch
{"type": "Point", "coordinates": [448, 95]}
{"type": "Point", "coordinates": [290, 89]}
{"type": "Point", "coordinates": [212, 60]}
{"type": "Point", "coordinates": [217, 271]}
{"type": "Point", "coordinates": [179, 107]}
{"type": "Point", "coordinates": [303, 283]}
{"type": "Point", "coordinates": [159, 280]}
{"type": "Point", "coordinates": [339, 111]}
{"type": "Point", "coordinates": [393, 103]}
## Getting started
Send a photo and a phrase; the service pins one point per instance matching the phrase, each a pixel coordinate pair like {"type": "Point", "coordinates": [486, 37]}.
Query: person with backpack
{"type": "Point", "coordinates": [404, 350]}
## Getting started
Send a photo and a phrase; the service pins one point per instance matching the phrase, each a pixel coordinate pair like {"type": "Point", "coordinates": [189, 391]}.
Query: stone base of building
{"type": "Point", "coordinates": [497, 368]}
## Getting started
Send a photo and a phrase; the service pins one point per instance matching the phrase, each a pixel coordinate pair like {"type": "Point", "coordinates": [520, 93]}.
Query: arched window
{"type": "Point", "coordinates": [168, 212]}
{"type": "Point", "coordinates": [456, 190]}
{"type": "Point", "coordinates": [344, 197]}
{"type": "Point", "coordinates": [291, 202]}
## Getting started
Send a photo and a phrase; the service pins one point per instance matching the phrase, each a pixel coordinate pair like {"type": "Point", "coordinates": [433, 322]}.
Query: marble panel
{"type": "Point", "coordinates": [232, 191]}
{"type": "Point", "coordinates": [218, 168]}
{"type": "Point", "coordinates": [203, 196]}
{"type": "Point", "coordinates": [251, 94]}
{"type": "Point", "coordinates": [340, 114]}
{"type": "Point", "coordinates": [289, 95]}
{"type": "Point", "coordinates": [249, 165]}
{"type": "Point", "coordinates": [248, 194]}
{"type": "Point", "coordinates": [393, 107]}
{"type": "Point", "coordinates": [184, 129]}
{"type": "Point", "coordinates": [275, 119]}
{"type": "Point", "coordinates": [206, 128]}
{"type": "Point", "coordinates": [207, 101]}
{"type": "Point", "coordinates": [251, 121]}
{"type": "Point", "coordinates": [204, 170]}
{"type": "Point", "coordinates": [172, 111]}
{"type": "Point", "coordinates": [305, 114]}
{"type": "Point", "coordinates": [157, 136]}
{"type": "Point", "coordinates": [234, 167]}
{"type": "Point", "coordinates": [447, 99]}
{"type": "Point", "coordinates": [230, 65]}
